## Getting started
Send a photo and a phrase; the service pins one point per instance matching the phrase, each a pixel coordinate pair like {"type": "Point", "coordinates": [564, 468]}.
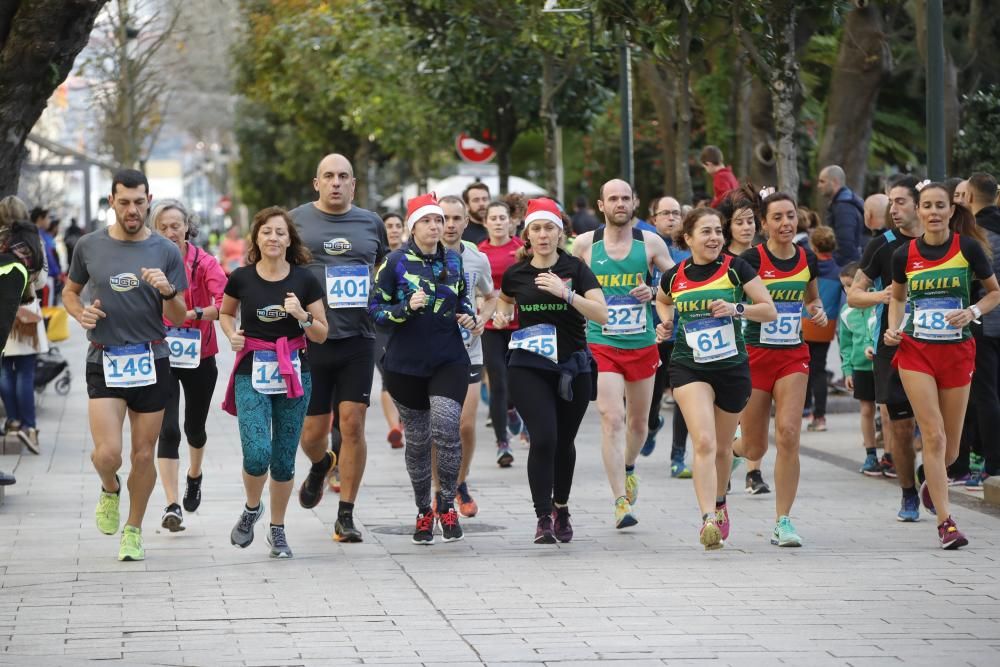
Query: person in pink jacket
{"type": "Point", "coordinates": [193, 347]}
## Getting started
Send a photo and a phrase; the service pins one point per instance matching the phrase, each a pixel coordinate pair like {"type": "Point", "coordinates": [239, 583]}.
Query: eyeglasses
{"type": "Point", "coordinates": [673, 214]}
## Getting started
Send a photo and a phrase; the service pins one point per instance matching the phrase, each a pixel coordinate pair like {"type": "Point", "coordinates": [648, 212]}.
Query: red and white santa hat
{"type": "Point", "coordinates": [420, 206]}
{"type": "Point", "coordinates": [543, 209]}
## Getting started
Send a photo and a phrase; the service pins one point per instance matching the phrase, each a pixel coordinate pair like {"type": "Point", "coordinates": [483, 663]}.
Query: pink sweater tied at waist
{"type": "Point", "coordinates": [284, 347]}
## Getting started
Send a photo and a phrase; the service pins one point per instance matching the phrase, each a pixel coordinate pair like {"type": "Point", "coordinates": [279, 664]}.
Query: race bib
{"type": "Point", "coordinates": [711, 339]}
{"type": "Point", "coordinates": [185, 347]}
{"type": "Point", "coordinates": [784, 330]}
{"type": "Point", "coordinates": [129, 365]}
{"type": "Point", "coordinates": [625, 315]}
{"type": "Point", "coordinates": [265, 375]}
{"type": "Point", "coordinates": [929, 321]}
{"type": "Point", "coordinates": [347, 286]}
{"type": "Point", "coordinates": [540, 339]}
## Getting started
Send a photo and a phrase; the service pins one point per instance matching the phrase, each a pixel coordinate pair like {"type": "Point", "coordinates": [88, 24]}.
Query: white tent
{"type": "Point", "coordinates": [453, 185]}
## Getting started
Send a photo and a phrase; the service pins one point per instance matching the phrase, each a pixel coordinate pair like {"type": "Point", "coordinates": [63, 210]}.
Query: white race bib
{"type": "Point", "coordinates": [625, 316]}
{"type": "Point", "coordinates": [185, 347]}
{"type": "Point", "coordinates": [129, 365]}
{"type": "Point", "coordinates": [711, 339]}
{"type": "Point", "coordinates": [266, 377]}
{"type": "Point", "coordinates": [347, 286]}
{"type": "Point", "coordinates": [540, 339]}
{"type": "Point", "coordinates": [929, 322]}
{"type": "Point", "coordinates": [784, 330]}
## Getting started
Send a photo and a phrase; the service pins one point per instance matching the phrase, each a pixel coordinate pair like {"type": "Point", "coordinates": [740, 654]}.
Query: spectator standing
{"type": "Point", "coordinates": [723, 179]}
{"type": "Point", "coordinates": [817, 337]}
{"type": "Point", "coordinates": [583, 218]}
{"type": "Point", "coordinates": [876, 214]}
{"type": "Point", "coordinates": [845, 214]}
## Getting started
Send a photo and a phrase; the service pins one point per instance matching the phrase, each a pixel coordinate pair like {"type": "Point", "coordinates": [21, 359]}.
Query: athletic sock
{"type": "Point", "coordinates": [323, 464]}
{"type": "Point", "coordinates": [719, 502]}
{"type": "Point", "coordinates": [277, 525]}
{"type": "Point", "coordinates": [872, 451]}
{"type": "Point", "coordinates": [252, 509]}
{"type": "Point", "coordinates": [560, 506]}
{"type": "Point", "coordinates": [629, 468]}
{"type": "Point", "coordinates": [707, 517]}
{"type": "Point", "coordinates": [345, 508]}
{"type": "Point", "coordinates": [909, 492]}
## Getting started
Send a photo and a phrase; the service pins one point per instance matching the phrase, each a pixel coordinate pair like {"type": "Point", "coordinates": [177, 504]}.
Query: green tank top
{"type": "Point", "coordinates": [703, 341]}
{"type": "Point", "coordinates": [933, 289]}
{"type": "Point", "coordinates": [630, 323]}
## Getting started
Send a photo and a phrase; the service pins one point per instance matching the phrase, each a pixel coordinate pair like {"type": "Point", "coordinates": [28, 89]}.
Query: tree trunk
{"type": "Point", "coordinates": [862, 66]}
{"type": "Point", "coordinates": [655, 80]}
{"type": "Point", "coordinates": [785, 88]}
{"type": "Point", "coordinates": [362, 160]}
{"type": "Point", "coordinates": [682, 136]}
{"type": "Point", "coordinates": [550, 122]}
{"type": "Point", "coordinates": [740, 114]}
{"type": "Point", "coordinates": [762, 165]}
{"type": "Point", "coordinates": [39, 40]}
{"type": "Point", "coordinates": [506, 135]}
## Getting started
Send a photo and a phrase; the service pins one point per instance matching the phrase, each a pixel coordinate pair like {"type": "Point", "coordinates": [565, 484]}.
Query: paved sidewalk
{"type": "Point", "coordinates": [864, 590]}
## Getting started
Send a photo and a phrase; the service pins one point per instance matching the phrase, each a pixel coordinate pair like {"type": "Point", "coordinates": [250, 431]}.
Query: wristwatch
{"type": "Point", "coordinates": [976, 313]}
{"type": "Point", "coordinates": [199, 312]}
{"type": "Point", "coordinates": [309, 321]}
{"type": "Point", "coordinates": [740, 309]}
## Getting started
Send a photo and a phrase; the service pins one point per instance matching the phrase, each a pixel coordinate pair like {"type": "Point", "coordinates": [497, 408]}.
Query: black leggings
{"type": "Point", "coordinates": [199, 385]}
{"type": "Point", "coordinates": [817, 389]}
{"type": "Point", "coordinates": [660, 384]}
{"type": "Point", "coordinates": [495, 343]}
{"type": "Point", "coordinates": [553, 424]}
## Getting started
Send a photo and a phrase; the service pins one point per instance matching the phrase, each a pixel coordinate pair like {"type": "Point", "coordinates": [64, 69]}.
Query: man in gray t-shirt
{"type": "Point", "coordinates": [137, 278]}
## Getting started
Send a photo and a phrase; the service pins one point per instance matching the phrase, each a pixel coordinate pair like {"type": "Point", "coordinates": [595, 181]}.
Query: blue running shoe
{"type": "Point", "coordinates": [871, 466]}
{"type": "Point", "coordinates": [679, 470]}
{"type": "Point", "coordinates": [976, 481]}
{"type": "Point", "coordinates": [514, 423]}
{"type": "Point", "coordinates": [784, 534]}
{"type": "Point", "coordinates": [650, 443]}
{"type": "Point", "coordinates": [909, 509]}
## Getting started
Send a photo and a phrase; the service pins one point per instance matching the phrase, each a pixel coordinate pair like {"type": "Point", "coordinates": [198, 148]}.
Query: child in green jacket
{"type": "Point", "coordinates": [855, 328]}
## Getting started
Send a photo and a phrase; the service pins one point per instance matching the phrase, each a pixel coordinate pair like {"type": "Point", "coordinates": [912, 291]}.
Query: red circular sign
{"type": "Point", "coordinates": [473, 150]}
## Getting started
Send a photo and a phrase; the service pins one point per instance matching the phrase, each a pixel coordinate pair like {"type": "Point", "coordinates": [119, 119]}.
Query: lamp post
{"type": "Point", "coordinates": [935, 91]}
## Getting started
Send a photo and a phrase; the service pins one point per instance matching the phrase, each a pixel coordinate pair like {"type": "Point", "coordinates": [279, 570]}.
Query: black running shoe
{"type": "Point", "coordinates": [311, 491]}
{"type": "Point", "coordinates": [756, 484]}
{"type": "Point", "coordinates": [173, 519]}
{"type": "Point", "coordinates": [192, 493]}
{"type": "Point", "coordinates": [424, 532]}
{"type": "Point", "coordinates": [344, 530]}
{"type": "Point", "coordinates": [451, 530]}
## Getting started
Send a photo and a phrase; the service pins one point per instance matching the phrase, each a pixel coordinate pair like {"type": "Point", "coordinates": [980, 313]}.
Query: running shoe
{"type": "Point", "coordinates": [650, 444]}
{"type": "Point", "coordinates": [543, 531]}
{"type": "Point", "coordinates": [710, 535]}
{"type": "Point", "coordinates": [311, 491]}
{"type": "Point", "coordinates": [976, 462]}
{"type": "Point", "coordinates": [192, 493]}
{"type": "Point", "coordinates": [951, 537]}
{"type": "Point", "coordinates": [977, 480]}
{"type": "Point", "coordinates": [395, 437]}
{"type": "Point", "coordinates": [756, 484]}
{"type": "Point", "coordinates": [888, 467]}
{"type": "Point", "coordinates": [279, 545]}
{"type": "Point", "coordinates": [561, 526]}
{"type": "Point", "coordinates": [818, 424]}
{"type": "Point", "coordinates": [623, 514]}
{"type": "Point", "coordinates": [467, 507]}
{"type": "Point", "coordinates": [106, 514]}
{"type": "Point", "coordinates": [505, 456]}
{"type": "Point", "coordinates": [961, 480]}
{"type": "Point", "coordinates": [424, 532]}
{"type": "Point", "coordinates": [722, 521]}
{"type": "Point", "coordinates": [925, 498]}
{"type": "Point", "coordinates": [173, 519]}
{"type": "Point", "coordinates": [344, 530]}
{"type": "Point", "coordinates": [333, 479]}
{"type": "Point", "coordinates": [679, 470]}
{"type": "Point", "coordinates": [632, 487]}
{"type": "Point", "coordinates": [242, 535]}
{"type": "Point", "coordinates": [451, 529]}
{"type": "Point", "coordinates": [514, 423]}
{"type": "Point", "coordinates": [871, 467]}
{"type": "Point", "coordinates": [131, 544]}
{"type": "Point", "coordinates": [909, 509]}
{"type": "Point", "coordinates": [29, 438]}
{"type": "Point", "coordinates": [784, 534]}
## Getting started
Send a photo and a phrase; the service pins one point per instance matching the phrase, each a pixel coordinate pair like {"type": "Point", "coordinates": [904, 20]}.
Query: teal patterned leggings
{"type": "Point", "coordinates": [270, 426]}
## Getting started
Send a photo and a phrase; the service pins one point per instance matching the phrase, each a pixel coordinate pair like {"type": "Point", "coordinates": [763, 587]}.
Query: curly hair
{"type": "Point", "coordinates": [296, 253]}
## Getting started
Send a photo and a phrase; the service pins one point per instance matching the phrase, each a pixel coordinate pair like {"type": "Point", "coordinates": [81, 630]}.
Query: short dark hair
{"type": "Point", "coordinates": [38, 213]}
{"type": "Point", "coordinates": [712, 155]}
{"type": "Point", "coordinates": [909, 182]}
{"type": "Point", "coordinates": [984, 184]}
{"type": "Point", "coordinates": [475, 185]}
{"type": "Point", "coordinates": [129, 178]}
{"type": "Point", "coordinates": [776, 197]}
{"type": "Point", "coordinates": [690, 220]}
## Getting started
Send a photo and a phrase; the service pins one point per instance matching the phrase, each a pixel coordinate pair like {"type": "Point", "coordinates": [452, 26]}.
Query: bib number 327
{"type": "Point", "coordinates": [129, 366]}
{"type": "Point", "coordinates": [347, 286]}
{"type": "Point", "coordinates": [539, 339]}
{"type": "Point", "coordinates": [625, 315]}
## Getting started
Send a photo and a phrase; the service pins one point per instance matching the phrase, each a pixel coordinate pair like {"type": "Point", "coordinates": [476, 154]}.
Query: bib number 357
{"type": "Point", "coordinates": [129, 366]}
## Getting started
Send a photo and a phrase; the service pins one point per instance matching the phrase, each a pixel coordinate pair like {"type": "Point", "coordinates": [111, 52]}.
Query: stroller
{"type": "Point", "coordinates": [51, 366]}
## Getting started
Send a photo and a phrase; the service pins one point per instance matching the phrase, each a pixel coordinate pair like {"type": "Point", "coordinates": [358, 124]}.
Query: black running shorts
{"type": "Point", "coordinates": [151, 398]}
{"type": "Point", "coordinates": [342, 370]}
{"type": "Point", "coordinates": [731, 385]}
{"type": "Point", "coordinates": [889, 389]}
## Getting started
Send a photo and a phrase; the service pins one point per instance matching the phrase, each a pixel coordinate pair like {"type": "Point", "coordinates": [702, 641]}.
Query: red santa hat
{"type": "Point", "coordinates": [543, 209]}
{"type": "Point", "coordinates": [420, 206]}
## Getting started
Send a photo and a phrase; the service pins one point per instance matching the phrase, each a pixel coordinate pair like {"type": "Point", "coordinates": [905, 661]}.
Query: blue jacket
{"type": "Point", "coordinates": [423, 340]}
{"type": "Point", "coordinates": [846, 215]}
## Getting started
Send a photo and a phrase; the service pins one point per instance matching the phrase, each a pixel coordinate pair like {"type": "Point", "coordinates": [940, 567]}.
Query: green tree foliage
{"type": "Point", "coordinates": [976, 146]}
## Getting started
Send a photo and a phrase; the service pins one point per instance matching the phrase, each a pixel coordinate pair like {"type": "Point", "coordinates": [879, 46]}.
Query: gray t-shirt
{"type": "Point", "coordinates": [479, 279]}
{"type": "Point", "coordinates": [112, 269]}
{"type": "Point", "coordinates": [343, 243]}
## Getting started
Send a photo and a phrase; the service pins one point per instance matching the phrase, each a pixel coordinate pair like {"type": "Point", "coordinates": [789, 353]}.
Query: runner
{"type": "Point", "coordinates": [622, 258]}
{"type": "Point", "coordinates": [346, 243]}
{"type": "Point", "coordinates": [193, 347]}
{"type": "Point", "coordinates": [479, 281]}
{"type": "Point", "coordinates": [500, 248]}
{"type": "Point", "coordinates": [421, 292]}
{"type": "Point", "coordinates": [395, 232]}
{"type": "Point", "coordinates": [876, 274]}
{"type": "Point", "coordinates": [136, 278]}
{"type": "Point", "coordinates": [779, 360]}
{"type": "Point", "coordinates": [709, 370]}
{"type": "Point", "coordinates": [936, 355]}
{"type": "Point", "coordinates": [549, 363]}
{"type": "Point", "coordinates": [271, 381]}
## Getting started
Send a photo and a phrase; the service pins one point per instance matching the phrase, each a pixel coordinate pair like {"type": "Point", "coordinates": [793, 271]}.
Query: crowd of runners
{"type": "Point", "coordinates": [710, 305]}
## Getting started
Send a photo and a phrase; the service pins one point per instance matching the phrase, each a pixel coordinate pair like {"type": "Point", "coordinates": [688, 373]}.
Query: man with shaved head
{"type": "Point", "coordinates": [845, 214]}
{"type": "Point", "coordinates": [622, 258]}
{"type": "Point", "coordinates": [346, 243]}
{"type": "Point", "coordinates": [876, 213]}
